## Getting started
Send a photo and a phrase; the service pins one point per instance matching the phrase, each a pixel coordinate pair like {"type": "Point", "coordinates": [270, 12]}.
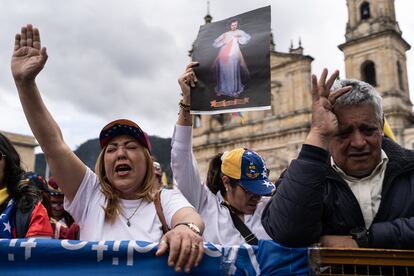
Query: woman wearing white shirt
{"type": "Point", "coordinates": [233, 193]}
{"type": "Point", "coordinates": [116, 202]}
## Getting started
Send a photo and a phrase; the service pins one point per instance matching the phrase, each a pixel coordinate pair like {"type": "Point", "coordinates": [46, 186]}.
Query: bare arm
{"type": "Point", "coordinates": [28, 60]}
{"type": "Point", "coordinates": [188, 214]}
{"type": "Point", "coordinates": [186, 247]}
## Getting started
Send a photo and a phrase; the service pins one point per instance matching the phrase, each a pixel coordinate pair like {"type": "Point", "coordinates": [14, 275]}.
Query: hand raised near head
{"type": "Point", "coordinates": [188, 78]}
{"type": "Point", "coordinates": [324, 121]}
{"type": "Point", "coordinates": [28, 57]}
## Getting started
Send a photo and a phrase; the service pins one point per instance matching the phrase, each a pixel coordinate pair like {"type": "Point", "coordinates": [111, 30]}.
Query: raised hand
{"type": "Point", "coordinates": [187, 79]}
{"type": "Point", "coordinates": [324, 121]}
{"type": "Point", "coordinates": [28, 57]}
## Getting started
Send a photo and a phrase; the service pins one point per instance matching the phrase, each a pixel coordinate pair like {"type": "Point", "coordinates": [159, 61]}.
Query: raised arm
{"type": "Point", "coordinates": [187, 79]}
{"type": "Point", "coordinates": [324, 122]}
{"type": "Point", "coordinates": [28, 60]}
{"type": "Point", "coordinates": [183, 163]}
{"type": "Point", "coordinates": [293, 216]}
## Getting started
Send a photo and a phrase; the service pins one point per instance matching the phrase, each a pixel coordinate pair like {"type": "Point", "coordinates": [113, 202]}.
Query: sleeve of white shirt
{"type": "Point", "coordinates": [80, 204]}
{"type": "Point", "coordinates": [184, 167]}
{"type": "Point", "coordinates": [172, 201]}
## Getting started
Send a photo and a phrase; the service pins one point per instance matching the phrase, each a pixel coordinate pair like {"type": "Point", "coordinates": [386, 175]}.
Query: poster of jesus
{"type": "Point", "coordinates": [234, 64]}
{"type": "Point", "coordinates": [230, 62]}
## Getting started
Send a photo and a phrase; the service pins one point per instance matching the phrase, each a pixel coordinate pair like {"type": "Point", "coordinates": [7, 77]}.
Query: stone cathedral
{"type": "Point", "coordinates": [374, 51]}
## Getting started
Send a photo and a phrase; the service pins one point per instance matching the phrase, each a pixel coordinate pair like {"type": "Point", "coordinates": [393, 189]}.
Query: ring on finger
{"type": "Point", "coordinates": [163, 241]}
{"type": "Point", "coordinates": [194, 246]}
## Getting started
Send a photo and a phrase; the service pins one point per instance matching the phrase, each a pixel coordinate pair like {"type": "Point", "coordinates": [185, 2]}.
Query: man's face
{"type": "Point", "coordinates": [56, 202]}
{"type": "Point", "coordinates": [234, 25]}
{"type": "Point", "coordinates": [356, 148]}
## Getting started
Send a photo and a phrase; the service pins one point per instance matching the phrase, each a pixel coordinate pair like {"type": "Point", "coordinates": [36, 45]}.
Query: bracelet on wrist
{"type": "Point", "coordinates": [183, 106]}
{"type": "Point", "coordinates": [193, 227]}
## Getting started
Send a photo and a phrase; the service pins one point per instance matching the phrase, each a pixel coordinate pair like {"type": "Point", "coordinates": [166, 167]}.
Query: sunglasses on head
{"type": "Point", "coordinates": [2, 155]}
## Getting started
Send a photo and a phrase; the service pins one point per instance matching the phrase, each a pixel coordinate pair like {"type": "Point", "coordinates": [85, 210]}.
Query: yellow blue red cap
{"type": "Point", "coordinates": [248, 167]}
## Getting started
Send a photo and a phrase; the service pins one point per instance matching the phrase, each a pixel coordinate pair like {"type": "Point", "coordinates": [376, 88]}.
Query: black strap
{"type": "Point", "coordinates": [248, 236]}
{"type": "Point", "coordinates": [23, 221]}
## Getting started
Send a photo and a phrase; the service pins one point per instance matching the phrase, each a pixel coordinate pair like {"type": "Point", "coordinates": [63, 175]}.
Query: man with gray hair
{"type": "Point", "coordinates": [350, 186]}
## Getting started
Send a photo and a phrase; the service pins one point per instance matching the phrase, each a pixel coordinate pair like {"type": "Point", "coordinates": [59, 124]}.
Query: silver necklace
{"type": "Point", "coordinates": [128, 218]}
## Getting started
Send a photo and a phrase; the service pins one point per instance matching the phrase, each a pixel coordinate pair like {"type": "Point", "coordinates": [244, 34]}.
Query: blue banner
{"type": "Point", "coordinates": [67, 257]}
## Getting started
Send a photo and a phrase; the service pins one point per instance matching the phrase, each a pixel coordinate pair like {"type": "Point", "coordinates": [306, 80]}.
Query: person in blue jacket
{"type": "Point", "coordinates": [350, 186]}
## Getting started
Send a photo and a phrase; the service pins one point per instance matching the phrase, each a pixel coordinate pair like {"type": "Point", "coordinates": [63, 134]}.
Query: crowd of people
{"type": "Point", "coordinates": [350, 186]}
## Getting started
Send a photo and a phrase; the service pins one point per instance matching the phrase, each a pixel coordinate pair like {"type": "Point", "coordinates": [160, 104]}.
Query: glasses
{"type": "Point", "coordinates": [2, 155]}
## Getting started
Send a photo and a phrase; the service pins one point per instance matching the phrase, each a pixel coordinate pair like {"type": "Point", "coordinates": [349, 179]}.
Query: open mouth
{"type": "Point", "coordinates": [122, 169]}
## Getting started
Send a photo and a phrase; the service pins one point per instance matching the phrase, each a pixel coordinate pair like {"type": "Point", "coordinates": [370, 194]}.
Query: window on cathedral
{"type": "Point", "coordinates": [364, 9]}
{"type": "Point", "coordinates": [368, 73]}
{"type": "Point", "coordinates": [400, 76]}
{"type": "Point", "coordinates": [197, 121]}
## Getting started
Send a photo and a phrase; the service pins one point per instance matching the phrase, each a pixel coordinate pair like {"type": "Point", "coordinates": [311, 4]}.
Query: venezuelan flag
{"type": "Point", "coordinates": [388, 131]}
{"type": "Point", "coordinates": [238, 115]}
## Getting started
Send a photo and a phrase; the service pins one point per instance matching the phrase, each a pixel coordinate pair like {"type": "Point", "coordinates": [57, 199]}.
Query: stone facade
{"type": "Point", "coordinates": [374, 50]}
{"type": "Point", "coordinates": [25, 146]}
{"type": "Point", "coordinates": [276, 133]}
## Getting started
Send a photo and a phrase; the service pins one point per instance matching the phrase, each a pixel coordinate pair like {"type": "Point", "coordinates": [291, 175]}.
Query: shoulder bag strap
{"type": "Point", "coordinates": [160, 213]}
{"type": "Point", "coordinates": [248, 236]}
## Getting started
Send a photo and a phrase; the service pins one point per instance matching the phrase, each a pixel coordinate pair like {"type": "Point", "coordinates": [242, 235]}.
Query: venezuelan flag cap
{"type": "Point", "coordinates": [123, 127]}
{"type": "Point", "coordinates": [249, 167]}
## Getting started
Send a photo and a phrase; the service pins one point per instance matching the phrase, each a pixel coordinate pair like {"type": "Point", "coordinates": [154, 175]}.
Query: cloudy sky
{"type": "Point", "coordinates": [110, 59]}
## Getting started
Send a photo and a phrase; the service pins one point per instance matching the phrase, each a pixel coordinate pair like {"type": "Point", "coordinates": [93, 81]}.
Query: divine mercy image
{"type": "Point", "coordinates": [229, 62]}
{"type": "Point", "coordinates": [233, 64]}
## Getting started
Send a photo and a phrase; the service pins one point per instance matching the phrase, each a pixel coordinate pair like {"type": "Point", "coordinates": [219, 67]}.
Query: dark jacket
{"type": "Point", "coordinates": [313, 200]}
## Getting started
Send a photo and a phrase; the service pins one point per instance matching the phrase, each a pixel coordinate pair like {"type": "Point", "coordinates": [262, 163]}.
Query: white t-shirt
{"type": "Point", "coordinates": [87, 211]}
{"type": "Point", "coordinates": [219, 225]}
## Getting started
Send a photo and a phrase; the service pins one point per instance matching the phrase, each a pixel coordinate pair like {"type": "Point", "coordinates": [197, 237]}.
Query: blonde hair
{"type": "Point", "coordinates": [146, 192]}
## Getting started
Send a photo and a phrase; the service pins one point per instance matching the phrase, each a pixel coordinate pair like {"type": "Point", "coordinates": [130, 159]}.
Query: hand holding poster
{"type": "Point", "coordinates": [234, 70]}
